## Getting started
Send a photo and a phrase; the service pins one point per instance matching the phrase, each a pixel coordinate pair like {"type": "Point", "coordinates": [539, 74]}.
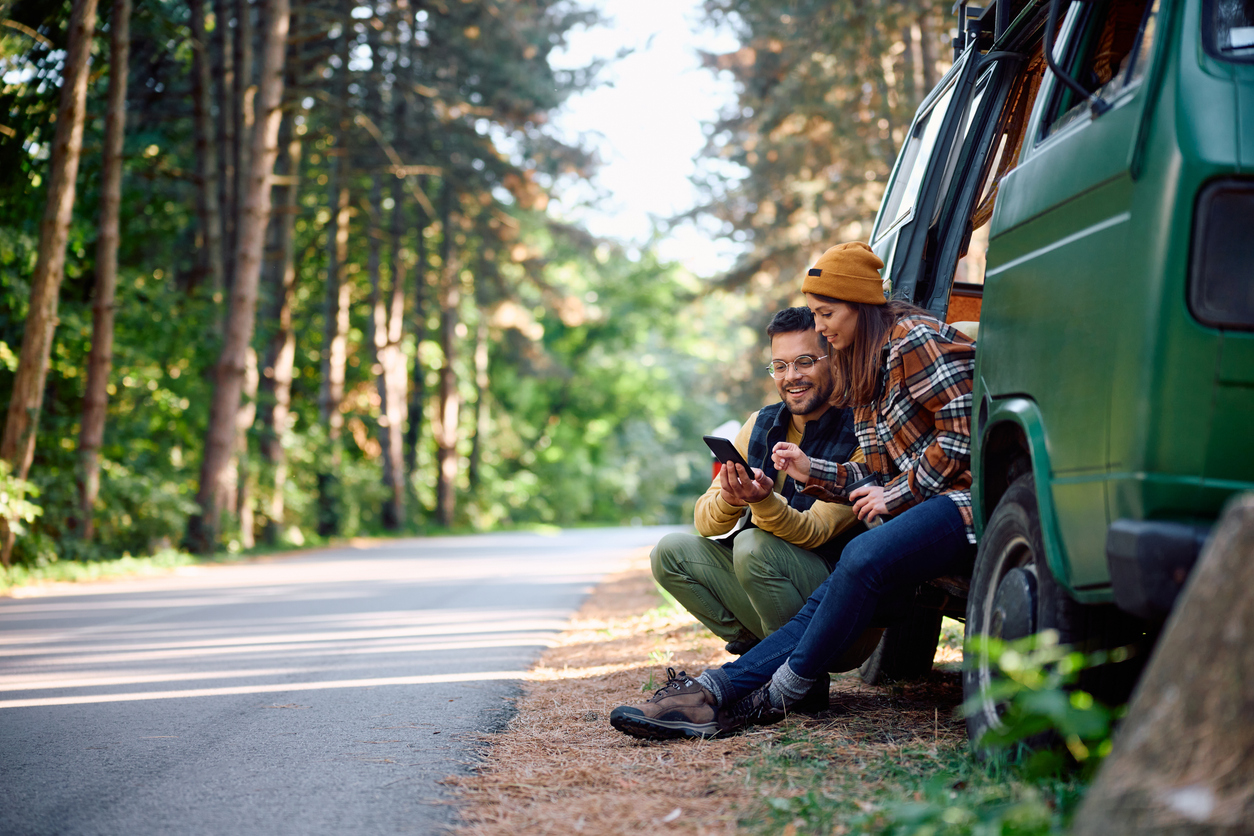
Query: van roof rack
{"type": "Point", "coordinates": [973, 21]}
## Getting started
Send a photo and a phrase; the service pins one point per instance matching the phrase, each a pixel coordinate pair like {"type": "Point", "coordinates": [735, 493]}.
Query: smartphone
{"type": "Point", "coordinates": [725, 451]}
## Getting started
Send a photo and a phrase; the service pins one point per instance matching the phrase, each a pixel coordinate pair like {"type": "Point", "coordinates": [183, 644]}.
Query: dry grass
{"type": "Point", "coordinates": [560, 768]}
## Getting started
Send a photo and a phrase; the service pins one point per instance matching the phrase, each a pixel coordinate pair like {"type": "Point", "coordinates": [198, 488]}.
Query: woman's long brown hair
{"type": "Point", "coordinates": [857, 368]}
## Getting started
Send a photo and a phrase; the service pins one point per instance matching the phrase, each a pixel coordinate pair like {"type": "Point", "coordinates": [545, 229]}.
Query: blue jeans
{"type": "Point", "coordinates": [924, 542]}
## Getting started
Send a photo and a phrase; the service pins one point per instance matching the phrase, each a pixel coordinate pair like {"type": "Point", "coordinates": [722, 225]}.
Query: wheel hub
{"type": "Point", "coordinates": [1014, 606]}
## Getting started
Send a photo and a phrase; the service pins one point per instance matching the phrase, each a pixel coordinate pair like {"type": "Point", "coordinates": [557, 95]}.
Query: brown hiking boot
{"type": "Point", "coordinates": [758, 710]}
{"type": "Point", "coordinates": [816, 699]}
{"type": "Point", "coordinates": [682, 708]}
{"type": "Point", "coordinates": [754, 710]}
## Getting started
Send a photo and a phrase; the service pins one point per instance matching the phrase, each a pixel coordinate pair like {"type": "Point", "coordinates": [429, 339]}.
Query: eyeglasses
{"type": "Point", "coordinates": [803, 364]}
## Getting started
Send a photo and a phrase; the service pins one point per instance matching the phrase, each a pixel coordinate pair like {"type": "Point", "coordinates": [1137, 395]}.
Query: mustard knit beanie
{"type": "Point", "coordinates": [848, 272]}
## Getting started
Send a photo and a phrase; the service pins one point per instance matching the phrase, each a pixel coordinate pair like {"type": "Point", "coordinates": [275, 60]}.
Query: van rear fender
{"type": "Point", "coordinates": [1012, 442]}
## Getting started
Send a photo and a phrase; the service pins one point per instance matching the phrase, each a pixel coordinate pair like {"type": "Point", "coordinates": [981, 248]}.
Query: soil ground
{"type": "Point", "coordinates": [560, 768]}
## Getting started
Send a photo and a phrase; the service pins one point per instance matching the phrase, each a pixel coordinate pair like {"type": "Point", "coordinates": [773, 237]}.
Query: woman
{"type": "Point", "coordinates": [908, 378]}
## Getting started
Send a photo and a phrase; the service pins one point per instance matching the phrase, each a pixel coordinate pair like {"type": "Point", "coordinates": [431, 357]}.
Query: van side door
{"type": "Point", "coordinates": [900, 230]}
{"type": "Point", "coordinates": [1060, 265]}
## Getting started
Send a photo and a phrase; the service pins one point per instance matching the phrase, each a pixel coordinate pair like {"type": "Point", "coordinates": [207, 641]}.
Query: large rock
{"type": "Point", "coordinates": [1183, 760]}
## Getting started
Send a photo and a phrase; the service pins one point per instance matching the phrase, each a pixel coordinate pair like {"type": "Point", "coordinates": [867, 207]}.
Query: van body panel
{"type": "Point", "coordinates": [1026, 416]}
{"type": "Point", "coordinates": [1245, 119]}
{"type": "Point", "coordinates": [1164, 362]}
{"type": "Point", "coordinates": [1231, 449]}
{"type": "Point", "coordinates": [1082, 157]}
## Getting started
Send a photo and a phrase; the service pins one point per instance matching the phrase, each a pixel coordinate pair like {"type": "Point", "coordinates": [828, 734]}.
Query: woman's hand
{"type": "Point", "coordinates": [789, 459]}
{"type": "Point", "coordinates": [868, 502]}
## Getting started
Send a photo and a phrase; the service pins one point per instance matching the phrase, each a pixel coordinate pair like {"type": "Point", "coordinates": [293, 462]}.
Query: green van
{"type": "Point", "coordinates": [1081, 183]}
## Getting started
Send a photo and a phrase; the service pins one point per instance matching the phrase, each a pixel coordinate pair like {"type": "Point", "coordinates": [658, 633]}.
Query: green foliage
{"type": "Point", "coordinates": [915, 788]}
{"type": "Point", "coordinates": [1051, 739]}
{"type": "Point", "coordinates": [991, 807]}
{"type": "Point", "coordinates": [1037, 687]}
{"type": "Point", "coordinates": [15, 508]}
{"type": "Point", "coordinates": [604, 366]}
{"type": "Point", "coordinates": [826, 93]}
{"type": "Point", "coordinates": [76, 571]}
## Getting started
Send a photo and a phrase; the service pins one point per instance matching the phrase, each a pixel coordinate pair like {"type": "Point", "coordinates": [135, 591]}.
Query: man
{"type": "Point", "coordinates": [779, 544]}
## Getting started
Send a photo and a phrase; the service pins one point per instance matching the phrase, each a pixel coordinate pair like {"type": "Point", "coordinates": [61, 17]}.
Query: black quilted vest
{"type": "Point", "coordinates": [829, 437]}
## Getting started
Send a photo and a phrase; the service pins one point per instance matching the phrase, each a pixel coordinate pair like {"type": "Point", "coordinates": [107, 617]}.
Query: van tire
{"type": "Point", "coordinates": [1013, 594]}
{"type": "Point", "coordinates": [1011, 555]}
{"type": "Point", "coordinates": [906, 650]}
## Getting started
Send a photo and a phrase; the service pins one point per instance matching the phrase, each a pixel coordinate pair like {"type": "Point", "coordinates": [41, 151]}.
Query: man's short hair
{"type": "Point", "coordinates": [790, 320]}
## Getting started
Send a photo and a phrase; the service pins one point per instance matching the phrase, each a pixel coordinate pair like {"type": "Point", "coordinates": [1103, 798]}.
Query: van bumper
{"type": "Point", "coordinates": [1150, 561]}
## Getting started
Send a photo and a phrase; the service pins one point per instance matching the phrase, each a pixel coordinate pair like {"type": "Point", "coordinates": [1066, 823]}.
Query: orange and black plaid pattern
{"type": "Point", "coordinates": [916, 433]}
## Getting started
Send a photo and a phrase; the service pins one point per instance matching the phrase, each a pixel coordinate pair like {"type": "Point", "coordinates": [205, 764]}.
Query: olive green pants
{"type": "Point", "coordinates": [754, 586]}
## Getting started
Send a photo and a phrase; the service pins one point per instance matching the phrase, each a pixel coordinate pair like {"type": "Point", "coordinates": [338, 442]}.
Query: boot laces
{"type": "Point", "coordinates": [674, 682]}
{"type": "Point", "coordinates": [754, 707]}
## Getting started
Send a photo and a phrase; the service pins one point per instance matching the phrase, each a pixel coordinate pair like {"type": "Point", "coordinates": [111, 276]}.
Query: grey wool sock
{"type": "Point", "coordinates": [788, 686]}
{"type": "Point", "coordinates": [711, 685]}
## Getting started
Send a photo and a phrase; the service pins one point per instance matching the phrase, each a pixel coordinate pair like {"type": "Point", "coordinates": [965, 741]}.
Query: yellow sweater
{"type": "Point", "coordinates": [807, 529]}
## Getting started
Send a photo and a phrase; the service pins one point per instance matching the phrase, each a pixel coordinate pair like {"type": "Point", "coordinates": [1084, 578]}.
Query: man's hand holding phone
{"type": "Point", "coordinates": [739, 488]}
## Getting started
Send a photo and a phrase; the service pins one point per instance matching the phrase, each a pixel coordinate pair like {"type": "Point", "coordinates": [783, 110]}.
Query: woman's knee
{"type": "Point", "coordinates": [861, 559]}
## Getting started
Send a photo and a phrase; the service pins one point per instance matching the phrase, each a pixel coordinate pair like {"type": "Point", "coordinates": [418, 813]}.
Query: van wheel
{"type": "Point", "coordinates": [1013, 595]}
{"type": "Point", "coordinates": [905, 650]}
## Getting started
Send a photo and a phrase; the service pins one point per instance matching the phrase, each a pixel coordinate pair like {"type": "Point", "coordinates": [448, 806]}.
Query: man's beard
{"type": "Point", "coordinates": [817, 397]}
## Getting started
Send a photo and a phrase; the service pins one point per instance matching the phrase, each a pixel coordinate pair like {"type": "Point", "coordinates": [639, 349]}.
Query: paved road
{"type": "Point", "coordinates": [327, 693]}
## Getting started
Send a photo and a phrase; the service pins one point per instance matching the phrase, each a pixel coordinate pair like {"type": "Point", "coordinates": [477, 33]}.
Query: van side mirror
{"type": "Point", "coordinates": [1096, 102]}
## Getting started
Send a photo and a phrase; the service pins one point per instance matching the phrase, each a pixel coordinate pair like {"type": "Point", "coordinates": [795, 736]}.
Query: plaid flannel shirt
{"type": "Point", "coordinates": [916, 432]}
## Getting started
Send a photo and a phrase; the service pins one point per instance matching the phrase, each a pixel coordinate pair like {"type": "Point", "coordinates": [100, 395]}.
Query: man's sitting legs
{"type": "Point", "coordinates": [743, 593]}
{"type": "Point", "coordinates": [700, 575]}
{"type": "Point", "coordinates": [777, 576]}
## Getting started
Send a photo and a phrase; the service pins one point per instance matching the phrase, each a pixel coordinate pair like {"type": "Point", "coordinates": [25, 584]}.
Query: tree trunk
{"type": "Point", "coordinates": [481, 399]}
{"type": "Point", "coordinates": [207, 208]}
{"type": "Point", "coordinates": [389, 316]}
{"type": "Point", "coordinates": [241, 318]}
{"type": "Point", "coordinates": [1183, 760]}
{"type": "Point", "coordinates": [418, 385]}
{"type": "Point", "coordinates": [242, 97]}
{"type": "Point", "coordinates": [281, 352]}
{"type": "Point", "coordinates": [17, 445]}
{"type": "Point", "coordinates": [243, 467]}
{"type": "Point", "coordinates": [387, 319]}
{"type": "Point", "coordinates": [395, 376]}
{"type": "Point", "coordinates": [449, 406]}
{"type": "Point", "coordinates": [336, 310]}
{"type": "Point", "coordinates": [100, 360]}
{"type": "Point", "coordinates": [224, 53]}
{"type": "Point", "coordinates": [927, 42]}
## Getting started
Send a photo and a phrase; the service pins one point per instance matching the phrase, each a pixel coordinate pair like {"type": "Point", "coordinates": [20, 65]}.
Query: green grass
{"type": "Point", "coordinates": [818, 782]}
{"type": "Point", "coordinates": [77, 571]}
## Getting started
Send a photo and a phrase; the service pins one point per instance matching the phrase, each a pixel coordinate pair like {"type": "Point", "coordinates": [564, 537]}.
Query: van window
{"type": "Point", "coordinates": [981, 86]}
{"type": "Point", "coordinates": [1231, 28]}
{"type": "Point", "coordinates": [1012, 126]}
{"type": "Point", "coordinates": [1108, 53]}
{"type": "Point", "coordinates": [914, 161]}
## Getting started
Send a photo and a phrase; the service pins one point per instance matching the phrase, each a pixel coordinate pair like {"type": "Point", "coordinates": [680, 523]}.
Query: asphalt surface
{"type": "Point", "coordinates": [325, 693]}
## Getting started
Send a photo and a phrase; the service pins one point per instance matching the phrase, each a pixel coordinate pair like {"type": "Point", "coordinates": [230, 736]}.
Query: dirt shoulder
{"type": "Point", "coordinates": [559, 767]}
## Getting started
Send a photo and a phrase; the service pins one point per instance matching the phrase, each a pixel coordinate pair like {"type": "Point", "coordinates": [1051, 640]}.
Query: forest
{"type": "Point", "coordinates": [277, 271]}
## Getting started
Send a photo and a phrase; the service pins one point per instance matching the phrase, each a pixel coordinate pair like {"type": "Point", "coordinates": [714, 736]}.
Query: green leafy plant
{"type": "Point", "coordinates": [15, 508]}
{"type": "Point", "coordinates": [1036, 685]}
{"type": "Point", "coordinates": [946, 810]}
